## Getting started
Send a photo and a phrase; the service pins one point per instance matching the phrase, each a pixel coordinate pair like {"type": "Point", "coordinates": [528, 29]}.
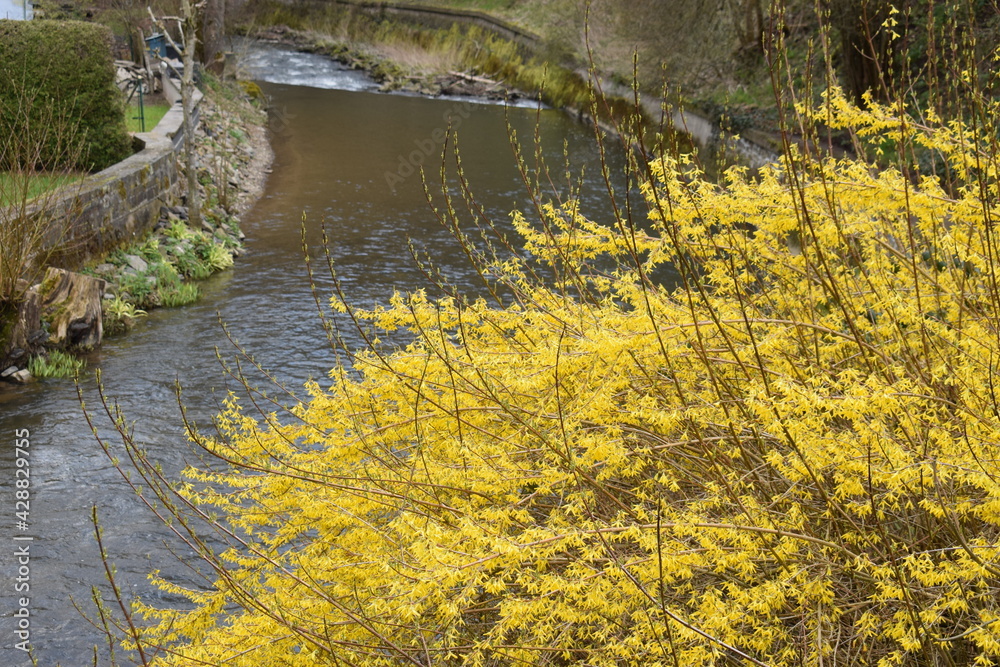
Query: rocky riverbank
{"type": "Point", "coordinates": [162, 271]}
{"type": "Point", "coordinates": [394, 67]}
{"type": "Point", "coordinates": [72, 312]}
{"type": "Point", "coordinates": [474, 62]}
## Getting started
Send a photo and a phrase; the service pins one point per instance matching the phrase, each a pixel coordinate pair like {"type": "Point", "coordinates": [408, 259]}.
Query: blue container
{"type": "Point", "coordinates": [157, 46]}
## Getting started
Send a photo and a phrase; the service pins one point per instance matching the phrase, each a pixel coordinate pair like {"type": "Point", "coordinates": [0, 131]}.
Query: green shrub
{"type": "Point", "coordinates": [178, 230]}
{"type": "Point", "coordinates": [166, 275]}
{"type": "Point", "coordinates": [190, 265]}
{"type": "Point", "coordinates": [149, 250]}
{"type": "Point", "coordinates": [62, 69]}
{"type": "Point", "coordinates": [120, 315]}
{"type": "Point", "coordinates": [139, 290]}
{"type": "Point", "coordinates": [218, 258]}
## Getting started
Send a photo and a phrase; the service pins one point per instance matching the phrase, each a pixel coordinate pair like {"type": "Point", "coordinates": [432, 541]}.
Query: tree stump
{"type": "Point", "coordinates": [71, 305]}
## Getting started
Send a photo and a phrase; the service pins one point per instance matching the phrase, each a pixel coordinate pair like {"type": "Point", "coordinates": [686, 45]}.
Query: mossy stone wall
{"type": "Point", "coordinates": [120, 204]}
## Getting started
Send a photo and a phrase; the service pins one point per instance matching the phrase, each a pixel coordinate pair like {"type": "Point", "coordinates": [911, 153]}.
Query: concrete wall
{"type": "Point", "coordinates": [116, 206]}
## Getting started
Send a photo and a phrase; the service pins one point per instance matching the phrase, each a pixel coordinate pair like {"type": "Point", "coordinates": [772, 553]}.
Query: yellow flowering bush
{"type": "Point", "coordinates": [790, 458]}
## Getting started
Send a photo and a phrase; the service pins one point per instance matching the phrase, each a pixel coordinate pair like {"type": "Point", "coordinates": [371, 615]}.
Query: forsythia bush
{"type": "Point", "coordinates": [789, 459]}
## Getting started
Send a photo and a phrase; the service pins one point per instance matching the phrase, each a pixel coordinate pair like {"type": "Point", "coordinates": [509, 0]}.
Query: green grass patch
{"type": "Point", "coordinates": [153, 113]}
{"type": "Point", "coordinates": [180, 295]}
{"type": "Point", "coordinates": [15, 187]}
{"type": "Point", "coordinates": [57, 364]}
{"type": "Point", "coordinates": [119, 315]}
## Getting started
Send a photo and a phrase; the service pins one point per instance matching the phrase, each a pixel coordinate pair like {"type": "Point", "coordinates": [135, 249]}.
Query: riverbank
{"type": "Point", "coordinates": [440, 51]}
{"type": "Point", "coordinates": [436, 62]}
{"type": "Point", "coordinates": [731, 72]}
{"type": "Point", "coordinates": [161, 269]}
{"type": "Point", "coordinates": [422, 71]}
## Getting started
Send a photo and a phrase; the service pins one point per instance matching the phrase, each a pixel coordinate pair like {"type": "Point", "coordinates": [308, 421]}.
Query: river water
{"type": "Point", "coordinates": [345, 157]}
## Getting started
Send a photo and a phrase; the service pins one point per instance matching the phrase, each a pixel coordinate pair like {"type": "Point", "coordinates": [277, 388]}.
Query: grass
{"type": "Point", "coordinates": [178, 254]}
{"type": "Point", "coordinates": [13, 185]}
{"type": "Point", "coordinates": [180, 295]}
{"type": "Point", "coordinates": [57, 364]}
{"type": "Point", "coordinates": [501, 7]}
{"type": "Point", "coordinates": [153, 113]}
{"type": "Point", "coordinates": [230, 97]}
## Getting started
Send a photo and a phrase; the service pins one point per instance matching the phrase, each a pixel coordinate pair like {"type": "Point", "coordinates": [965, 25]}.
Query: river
{"type": "Point", "coordinates": [344, 157]}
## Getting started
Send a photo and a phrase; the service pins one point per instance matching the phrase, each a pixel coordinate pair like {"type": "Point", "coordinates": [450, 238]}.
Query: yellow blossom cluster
{"type": "Point", "coordinates": [788, 458]}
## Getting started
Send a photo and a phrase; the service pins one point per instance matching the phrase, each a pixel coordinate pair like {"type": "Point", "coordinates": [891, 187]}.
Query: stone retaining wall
{"type": "Point", "coordinates": [114, 207]}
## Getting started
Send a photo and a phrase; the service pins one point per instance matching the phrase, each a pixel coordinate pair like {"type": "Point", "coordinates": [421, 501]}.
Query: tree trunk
{"type": "Point", "coordinates": [867, 48]}
{"type": "Point", "coordinates": [213, 34]}
{"type": "Point", "coordinates": [753, 27]}
{"type": "Point", "coordinates": [71, 304]}
{"type": "Point", "coordinates": [187, 101]}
